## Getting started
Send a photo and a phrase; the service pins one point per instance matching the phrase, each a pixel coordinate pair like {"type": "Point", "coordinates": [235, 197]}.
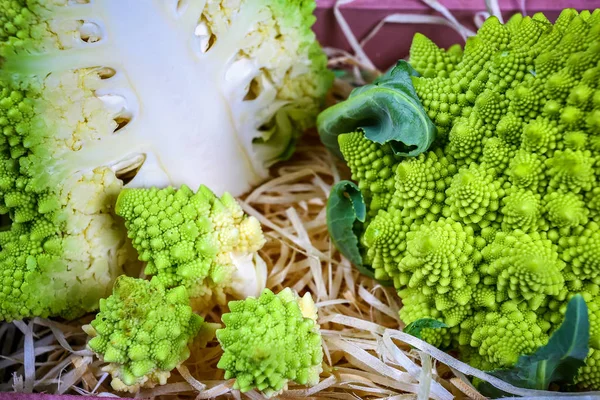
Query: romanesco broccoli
{"type": "Point", "coordinates": [204, 243]}
{"type": "Point", "coordinates": [98, 94]}
{"type": "Point", "coordinates": [496, 226]}
{"type": "Point", "coordinates": [143, 331]}
{"type": "Point", "coordinates": [270, 340]}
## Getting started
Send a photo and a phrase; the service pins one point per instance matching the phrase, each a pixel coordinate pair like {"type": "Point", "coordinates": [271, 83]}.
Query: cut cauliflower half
{"type": "Point", "coordinates": [95, 94]}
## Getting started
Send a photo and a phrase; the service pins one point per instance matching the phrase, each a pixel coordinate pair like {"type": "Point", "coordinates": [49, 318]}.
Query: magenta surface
{"type": "Point", "coordinates": [393, 40]}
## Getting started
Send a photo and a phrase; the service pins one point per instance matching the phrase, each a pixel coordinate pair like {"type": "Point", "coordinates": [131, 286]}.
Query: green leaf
{"type": "Point", "coordinates": [387, 111]}
{"type": "Point", "coordinates": [346, 213]}
{"type": "Point", "coordinates": [345, 207]}
{"type": "Point", "coordinates": [415, 327]}
{"type": "Point", "coordinates": [556, 362]}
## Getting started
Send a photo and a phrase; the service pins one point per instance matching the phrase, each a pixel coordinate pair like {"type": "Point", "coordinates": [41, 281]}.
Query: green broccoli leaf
{"type": "Point", "coordinates": [415, 327]}
{"type": "Point", "coordinates": [556, 362]}
{"type": "Point", "coordinates": [346, 211]}
{"type": "Point", "coordinates": [345, 207]}
{"type": "Point", "coordinates": [387, 111]}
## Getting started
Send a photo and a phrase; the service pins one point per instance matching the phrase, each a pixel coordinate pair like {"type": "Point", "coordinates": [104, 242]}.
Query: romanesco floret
{"type": "Point", "coordinates": [432, 61]}
{"type": "Point", "coordinates": [270, 340]}
{"type": "Point", "coordinates": [594, 317]}
{"type": "Point", "coordinates": [372, 167]}
{"type": "Point", "coordinates": [511, 180]}
{"type": "Point", "coordinates": [582, 253]}
{"type": "Point", "coordinates": [99, 95]}
{"type": "Point", "coordinates": [439, 260]}
{"type": "Point", "coordinates": [420, 185]}
{"type": "Point", "coordinates": [474, 196]}
{"type": "Point", "coordinates": [418, 305]}
{"type": "Point", "coordinates": [588, 376]}
{"type": "Point", "coordinates": [521, 209]}
{"type": "Point", "coordinates": [204, 243]}
{"type": "Point", "coordinates": [523, 267]}
{"type": "Point", "coordinates": [386, 241]}
{"type": "Point", "coordinates": [502, 336]}
{"type": "Point", "coordinates": [143, 331]}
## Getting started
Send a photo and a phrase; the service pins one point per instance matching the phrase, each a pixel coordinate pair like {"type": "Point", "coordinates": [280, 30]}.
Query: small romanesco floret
{"type": "Point", "coordinates": [200, 241]}
{"type": "Point", "coordinates": [502, 336]}
{"type": "Point", "coordinates": [143, 331]}
{"type": "Point", "coordinates": [270, 340]}
{"type": "Point", "coordinates": [589, 375]}
{"type": "Point", "coordinates": [497, 225]}
{"type": "Point", "coordinates": [99, 95]}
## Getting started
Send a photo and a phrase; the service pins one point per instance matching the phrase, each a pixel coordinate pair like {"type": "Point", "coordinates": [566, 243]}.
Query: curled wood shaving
{"type": "Point", "coordinates": [494, 9]}
{"type": "Point", "coordinates": [216, 391]}
{"type": "Point", "coordinates": [467, 389]}
{"type": "Point", "coordinates": [185, 373]}
{"type": "Point", "coordinates": [28, 356]}
{"type": "Point", "coordinates": [425, 377]}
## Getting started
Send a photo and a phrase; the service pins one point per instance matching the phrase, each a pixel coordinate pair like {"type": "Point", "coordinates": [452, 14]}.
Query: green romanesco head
{"type": "Point", "coordinates": [511, 180]}
{"type": "Point", "coordinates": [271, 340]}
{"type": "Point", "coordinates": [95, 97]}
{"type": "Point", "coordinates": [143, 331]}
{"type": "Point", "coordinates": [62, 227]}
{"type": "Point", "coordinates": [198, 240]}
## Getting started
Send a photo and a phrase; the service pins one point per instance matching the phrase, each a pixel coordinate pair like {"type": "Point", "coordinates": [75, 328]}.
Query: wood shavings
{"type": "Point", "coordinates": [425, 377]}
{"type": "Point", "coordinates": [439, 7]}
{"type": "Point", "coordinates": [185, 373]}
{"type": "Point", "coordinates": [361, 64]}
{"type": "Point", "coordinates": [400, 18]}
{"type": "Point", "coordinates": [467, 389]}
{"type": "Point", "coordinates": [494, 9]}
{"type": "Point", "coordinates": [216, 391]}
{"type": "Point", "coordinates": [28, 355]}
{"type": "Point", "coordinates": [59, 333]}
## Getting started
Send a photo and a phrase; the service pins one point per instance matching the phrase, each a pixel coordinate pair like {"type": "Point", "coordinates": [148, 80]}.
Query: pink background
{"type": "Point", "coordinates": [393, 40]}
